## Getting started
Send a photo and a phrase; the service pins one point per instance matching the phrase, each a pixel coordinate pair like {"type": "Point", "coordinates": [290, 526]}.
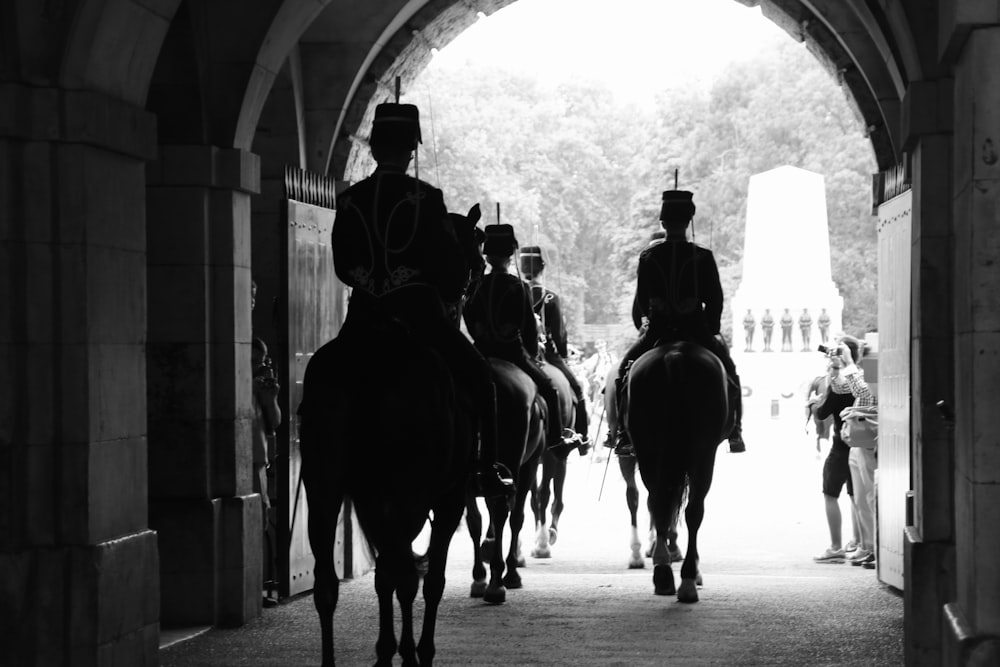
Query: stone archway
{"type": "Point", "coordinates": [77, 141]}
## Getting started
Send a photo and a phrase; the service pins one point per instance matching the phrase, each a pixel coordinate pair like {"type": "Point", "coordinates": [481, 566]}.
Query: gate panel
{"type": "Point", "coordinates": [894, 247]}
{"type": "Point", "coordinates": [314, 310]}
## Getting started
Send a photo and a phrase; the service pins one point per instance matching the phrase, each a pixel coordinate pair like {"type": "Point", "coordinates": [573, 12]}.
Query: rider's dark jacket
{"type": "Point", "coordinates": [678, 285]}
{"type": "Point", "coordinates": [547, 306]}
{"type": "Point", "coordinates": [499, 316]}
{"type": "Point", "coordinates": [394, 244]}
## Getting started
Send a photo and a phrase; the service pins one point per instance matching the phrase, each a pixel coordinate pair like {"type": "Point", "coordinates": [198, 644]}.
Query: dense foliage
{"type": "Point", "coordinates": [575, 171]}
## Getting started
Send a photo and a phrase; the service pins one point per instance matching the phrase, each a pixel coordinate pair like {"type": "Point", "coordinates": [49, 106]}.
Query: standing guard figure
{"type": "Point", "coordinates": [749, 324]}
{"type": "Point", "coordinates": [548, 308]}
{"type": "Point", "coordinates": [395, 245]}
{"type": "Point", "coordinates": [767, 326]}
{"type": "Point", "coordinates": [786, 331]}
{"type": "Point", "coordinates": [502, 324]}
{"type": "Point", "coordinates": [679, 291]}
{"type": "Point", "coordinates": [805, 326]}
{"type": "Point", "coordinates": [824, 326]}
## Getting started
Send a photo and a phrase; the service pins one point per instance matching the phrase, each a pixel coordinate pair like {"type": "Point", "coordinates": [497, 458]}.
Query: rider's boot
{"type": "Point", "coordinates": [491, 478]}
{"type": "Point", "coordinates": [622, 442]}
{"type": "Point", "coordinates": [736, 444]}
{"type": "Point", "coordinates": [581, 426]}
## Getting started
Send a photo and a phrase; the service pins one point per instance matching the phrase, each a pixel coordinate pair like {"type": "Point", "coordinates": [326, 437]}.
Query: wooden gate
{"type": "Point", "coordinates": [309, 316]}
{"type": "Point", "coordinates": [893, 198]}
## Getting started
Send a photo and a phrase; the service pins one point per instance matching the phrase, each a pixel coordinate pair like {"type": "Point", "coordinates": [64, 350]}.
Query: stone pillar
{"type": "Point", "coordinates": [972, 623]}
{"type": "Point", "coordinates": [929, 540]}
{"type": "Point", "coordinates": [80, 565]}
{"type": "Point", "coordinates": [202, 502]}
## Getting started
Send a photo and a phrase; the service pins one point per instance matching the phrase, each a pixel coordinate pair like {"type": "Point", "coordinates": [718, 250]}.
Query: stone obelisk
{"type": "Point", "coordinates": [786, 261]}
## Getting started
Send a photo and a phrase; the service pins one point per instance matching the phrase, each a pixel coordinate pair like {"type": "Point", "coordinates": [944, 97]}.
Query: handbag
{"type": "Point", "coordinates": [860, 431]}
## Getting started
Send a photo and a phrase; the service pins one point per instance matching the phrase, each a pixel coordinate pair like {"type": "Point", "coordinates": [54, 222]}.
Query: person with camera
{"type": "Point", "coordinates": [862, 460]}
{"type": "Point", "coordinates": [836, 468]}
{"type": "Point", "coordinates": [266, 419]}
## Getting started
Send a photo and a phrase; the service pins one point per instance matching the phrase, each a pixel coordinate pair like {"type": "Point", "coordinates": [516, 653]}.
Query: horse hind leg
{"type": "Point", "coordinates": [694, 514]}
{"type": "Point", "coordinates": [322, 527]}
{"type": "Point", "coordinates": [474, 522]}
{"type": "Point", "coordinates": [385, 586]}
{"type": "Point", "coordinates": [558, 484]}
{"type": "Point", "coordinates": [541, 495]}
{"type": "Point", "coordinates": [446, 520]}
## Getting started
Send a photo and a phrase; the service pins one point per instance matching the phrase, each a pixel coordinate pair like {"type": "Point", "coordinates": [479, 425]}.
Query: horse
{"type": "Point", "coordinates": [818, 388]}
{"type": "Point", "coordinates": [553, 472]}
{"type": "Point", "coordinates": [628, 467]}
{"type": "Point", "coordinates": [384, 421]}
{"type": "Point", "coordinates": [521, 415]}
{"type": "Point", "coordinates": [677, 413]}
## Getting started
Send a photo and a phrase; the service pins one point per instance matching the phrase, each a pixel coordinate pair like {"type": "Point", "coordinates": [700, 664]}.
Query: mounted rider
{"type": "Point", "coordinates": [548, 309]}
{"type": "Point", "coordinates": [502, 324]}
{"type": "Point", "coordinates": [679, 292]}
{"type": "Point", "coordinates": [395, 245]}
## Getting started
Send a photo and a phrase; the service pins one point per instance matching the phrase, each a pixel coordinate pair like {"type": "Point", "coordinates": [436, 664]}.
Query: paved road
{"type": "Point", "coordinates": [764, 601]}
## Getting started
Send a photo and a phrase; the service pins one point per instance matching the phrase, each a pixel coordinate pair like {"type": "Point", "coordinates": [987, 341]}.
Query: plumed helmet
{"type": "Point", "coordinates": [500, 241]}
{"type": "Point", "coordinates": [532, 260]}
{"type": "Point", "coordinates": [678, 206]}
{"type": "Point", "coordinates": [396, 126]}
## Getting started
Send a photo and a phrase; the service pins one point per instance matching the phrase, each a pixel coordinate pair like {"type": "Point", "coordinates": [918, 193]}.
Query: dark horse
{"type": "Point", "coordinates": [677, 414]}
{"type": "Point", "coordinates": [628, 466]}
{"type": "Point", "coordinates": [553, 473]}
{"type": "Point", "coordinates": [521, 414]}
{"type": "Point", "coordinates": [384, 423]}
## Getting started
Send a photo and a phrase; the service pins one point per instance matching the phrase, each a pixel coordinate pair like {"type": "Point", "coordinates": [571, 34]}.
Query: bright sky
{"type": "Point", "coordinates": [636, 47]}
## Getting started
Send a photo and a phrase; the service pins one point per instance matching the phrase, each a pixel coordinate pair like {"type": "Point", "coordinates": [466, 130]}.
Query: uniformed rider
{"type": "Point", "coordinates": [502, 324]}
{"type": "Point", "coordinates": [679, 292]}
{"type": "Point", "coordinates": [395, 245]}
{"type": "Point", "coordinates": [555, 349]}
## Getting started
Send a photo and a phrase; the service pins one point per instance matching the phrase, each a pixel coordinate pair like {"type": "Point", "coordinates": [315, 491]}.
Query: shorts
{"type": "Point", "coordinates": [837, 473]}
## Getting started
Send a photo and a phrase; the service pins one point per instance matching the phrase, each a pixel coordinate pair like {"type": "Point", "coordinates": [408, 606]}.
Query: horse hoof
{"type": "Point", "coordinates": [478, 589]}
{"type": "Point", "coordinates": [512, 580]}
{"type": "Point", "coordinates": [635, 563]}
{"type": "Point", "coordinates": [520, 562]}
{"type": "Point", "coordinates": [538, 552]}
{"type": "Point", "coordinates": [697, 580]}
{"type": "Point", "coordinates": [688, 591]}
{"type": "Point", "coordinates": [495, 595]}
{"type": "Point", "coordinates": [675, 554]}
{"type": "Point", "coordinates": [553, 534]}
{"type": "Point", "coordinates": [663, 580]}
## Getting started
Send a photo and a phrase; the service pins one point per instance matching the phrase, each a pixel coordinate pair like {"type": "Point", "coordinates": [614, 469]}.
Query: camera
{"type": "Point", "coordinates": [830, 352]}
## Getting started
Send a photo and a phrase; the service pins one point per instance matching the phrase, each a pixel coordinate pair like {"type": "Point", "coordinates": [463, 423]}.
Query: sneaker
{"type": "Point", "coordinates": [830, 556]}
{"type": "Point", "coordinates": [869, 565]}
{"type": "Point", "coordinates": [851, 546]}
{"type": "Point", "coordinates": [861, 556]}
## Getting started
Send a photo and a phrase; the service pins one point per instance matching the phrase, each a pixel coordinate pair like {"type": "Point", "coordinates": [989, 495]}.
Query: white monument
{"type": "Point", "coordinates": [786, 262]}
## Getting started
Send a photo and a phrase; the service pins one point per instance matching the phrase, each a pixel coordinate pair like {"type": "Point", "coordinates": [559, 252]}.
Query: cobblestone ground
{"type": "Point", "coordinates": [764, 601]}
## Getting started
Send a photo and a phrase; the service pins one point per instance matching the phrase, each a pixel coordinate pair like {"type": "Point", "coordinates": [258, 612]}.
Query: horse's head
{"type": "Point", "coordinates": [470, 239]}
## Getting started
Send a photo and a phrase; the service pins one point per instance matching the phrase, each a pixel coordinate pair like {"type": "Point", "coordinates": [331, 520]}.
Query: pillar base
{"type": "Point", "coordinates": [83, 605]}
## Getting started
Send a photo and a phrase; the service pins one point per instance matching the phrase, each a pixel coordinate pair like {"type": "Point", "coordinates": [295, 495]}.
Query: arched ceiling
{"type": "Point", "coordinates": [866, 46]}
{"type": "Point", "coordinates": [349, 52]}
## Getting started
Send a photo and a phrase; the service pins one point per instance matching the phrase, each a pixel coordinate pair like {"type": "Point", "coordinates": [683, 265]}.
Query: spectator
{"type": "Point", "coordinates": [836, 468]}
{"type": "Point", "coordinates": [266, 419]}
{"type": "Point", "coordinates": [862, 460]}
